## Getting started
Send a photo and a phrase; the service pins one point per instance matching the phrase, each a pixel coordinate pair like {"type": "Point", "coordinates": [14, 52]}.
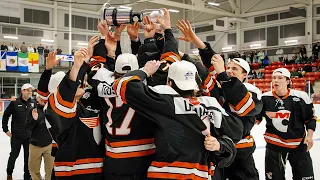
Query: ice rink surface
{"type": "Point", "coordinates": [257, 132]}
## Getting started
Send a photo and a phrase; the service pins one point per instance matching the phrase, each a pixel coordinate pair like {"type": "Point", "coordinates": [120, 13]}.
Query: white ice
{"type": "Point", "coordinates": [257, 132]}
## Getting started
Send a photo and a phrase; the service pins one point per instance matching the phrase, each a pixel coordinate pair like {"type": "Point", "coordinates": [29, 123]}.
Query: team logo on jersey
{"type": "Point", "coordinates": [279, 104]}
{"type": "Point", "coordinates": [280, 119]}
{"type": "Point", "coordinates": [296, 99]}
{"type": "Point", "coordinates": [106, 90]}
{"type": "Point", "coordinates": [86, 95]}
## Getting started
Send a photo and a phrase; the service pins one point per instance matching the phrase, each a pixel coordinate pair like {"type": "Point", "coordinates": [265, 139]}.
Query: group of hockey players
{"type": "Point", "coordinates": [157, 113]}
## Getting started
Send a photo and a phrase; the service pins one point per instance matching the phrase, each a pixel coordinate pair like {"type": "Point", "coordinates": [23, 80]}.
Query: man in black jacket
{"type": "Point", "coordinates": [40, 142]}
{"type": "Point", "coordinates": [19, 136]}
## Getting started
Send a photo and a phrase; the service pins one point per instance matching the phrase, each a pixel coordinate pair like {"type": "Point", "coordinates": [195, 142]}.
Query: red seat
{"type": "Point", "coordinates": [267, 76]}
{"type": "Point", "coordinates": [250, 81]}
{"type": "Point", "coordinates": [295, 80]}
{"type": "Point", "coordinates": [255, 65]}
{"type": "Point", "coordinates": [268, 80]}
{"type": "Point", "coordinates": [268, 67]}
{"type": "Point", "coordinates": [303, 84]}
{"type": "Point", "coordinates": [311, 79]}
{"type": "Point", "coordinates": [262, 70]}
{"type": "Point", "coordinates": [267, 71]}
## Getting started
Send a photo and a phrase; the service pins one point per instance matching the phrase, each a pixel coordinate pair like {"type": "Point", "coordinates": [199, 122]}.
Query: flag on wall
{"type": "Point", "coordinates": [23, 62]}
{"type": "Point", "coordinates": [12, 62]}
{"type": "Point", "coordinates": [33, 62]}
{"type": "Point", "coordinates": [3, 61]}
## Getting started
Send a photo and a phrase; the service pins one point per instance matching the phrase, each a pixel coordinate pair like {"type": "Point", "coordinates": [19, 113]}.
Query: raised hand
{"type": "Point", "coordinates": [218, 63]}
{"type": "Point", "coordinates": [51, 60]}
{"type": "Point", "coordinates": [103, 28]}
{"type": "Point", "coordinates": [133, 30]}
{"type": "Point", "coordinates": [151, 67]}
{"type": "Point", "coordinates": [118, 30]}
{"type": "Point", "coordinates": [187, 31]}
{"type": "Point", "coordinates": [93, 41]}
{"type": "Point", "coordinates": [149, 28]}
{"type": "Point", "coordinates": [79, 57]}
{"type": "Point", "coordinates": [111, 44]}
{"type": "Point", "coordinates": [189, 35]}
{"type": "Point", "coordinates": [165, 23]}
{"type": "Point", "coordinates": [35, 114]}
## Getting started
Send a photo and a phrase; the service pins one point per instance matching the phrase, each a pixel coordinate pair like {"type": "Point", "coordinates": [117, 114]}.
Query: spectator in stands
{"type": "Point", "coordinates": [30, 49]}
{"type": "Point", "coordinates": [46, 52]}
{"type": "Point", "coordinates": [59, 50]}
{"type": "Point", "coordinates": [51, 49]}
{"type": "Point", "coordinates": [285, 60]}
{"type": "Point", "coordinates": [34, 49]}
{"type": "Point", "coordinates": [73, 51]}
{"type": "Point", "coordinates": [4, 47]}
{"type": "Point", "coordinates": [293, 60]}
{"type": "Point", "coordinates": [261, 56]}
{"type": "Point", "coordinates": [315, 50]}
{"type": "Point", "coordinates": [251, 56]}
{"type": "Point", "coordinates": [24, 48]}
{"type": "Point", "coordinates": [10, 47]}
{"type": "Point", "coordinates": [280, 54]}
{"type": "Point", "coordinates": [41, 54]}
{"type": "Point", "coordinates": [252, 74]}
{"type": "Point", "coordinates": [303, 53]}
{"type": "Point", "coordinates": [16, 48]}
{"type": "Point", "coordinates": [266, 61]}
{"type": "Point", "coordinates": [295, 73]}
{"type": "Point", "coordinates": [260, 75]}
{"type": "Point", "coordinates": [244, 56]}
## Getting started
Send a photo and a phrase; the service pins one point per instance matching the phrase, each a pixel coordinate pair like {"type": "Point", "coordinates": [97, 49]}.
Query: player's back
{"type": "Point", "coordinates": [129, 139]}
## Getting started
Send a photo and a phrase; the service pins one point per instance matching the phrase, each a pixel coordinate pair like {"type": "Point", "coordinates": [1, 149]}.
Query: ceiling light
{"type": "Point", "coordinates": [227, 48]}
{"type": "Point", "coordinates": [47, 40]}
{"type": "Point", "coordinates": [213, 4]}
{"type": "Point", "coordinates": [255, 45]}
{"type": "Point", "coordinates": [291, 41]}
{"type": "Point", "coordinates": [10, 37]}
{"type": "Point", "coordinates": [173, 10]}
{"type": "Point", "coordinates": [82, 44]}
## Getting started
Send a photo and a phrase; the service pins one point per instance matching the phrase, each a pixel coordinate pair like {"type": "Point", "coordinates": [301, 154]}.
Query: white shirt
{"type": "Point", "coordinates": [30, 50]}
{"type": "Point", "coordinates": [279, 52]}
{"type": "Point", "coordinates": [10, 48]}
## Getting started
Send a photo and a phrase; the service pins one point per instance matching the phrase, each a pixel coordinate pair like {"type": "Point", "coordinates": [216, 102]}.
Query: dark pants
{"type": "Point", "coordinates": [125, 177]}
{"type": "Point", "coordinates": [16, 144]}
{"type": "Point", "coordinates": [240, 169]}
{"type": "Point", "coordinates": [299, 159]}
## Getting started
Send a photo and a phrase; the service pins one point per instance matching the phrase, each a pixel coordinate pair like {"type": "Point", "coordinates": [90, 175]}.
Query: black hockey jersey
{"type": "Point", "coordinates": [181, 127]}
{"type": "Point", "coordinates": [287, 119]}
{"type": "Point", "coordinates": [77, 132]}
{"type": "Point", "coordinates": [129, 138]}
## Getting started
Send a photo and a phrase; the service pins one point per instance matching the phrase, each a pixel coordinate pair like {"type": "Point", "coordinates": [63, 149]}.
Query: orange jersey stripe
{"type": "Point", "coordinates": [130, 143]}
{"type": "Point", "coordinates": [284, 140]}
{"type": "Point", "coordinates": [241, 103]}
{"type": "Point", "coordinates": [45, 94]}
{"type": "Point", "coordinates": [249, 109]}
{"type": "Point", "coordinates": [124, 87]}
{"type": "Point", "coordinates": [79, 172]}
{"type": "Point", "coordinates": [181, 164]}
{"type": "Point", "coordinates": [60, 113]}
{"type": "Point", "coordinates": [130, 154]}
{"type": "Point", "coordinates": [65, 103]}
{"type": "Point", "coordinates": [174, 176]}
{"type": "Point", "coordinates": [280, 144]}
{"type": "Point", "coordinates": [79, 161]}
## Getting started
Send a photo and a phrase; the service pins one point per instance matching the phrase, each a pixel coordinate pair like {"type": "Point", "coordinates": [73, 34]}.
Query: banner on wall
{"type": "Point", "coordinates": [3, 60]}
{"type": "Point", "coordinates": [65, 57]}
{"type": "Point", "coordinates": [33, 59]}
{"type": "Point", "coordinates": [12, 61]}
{"type": "Point", "coordinates": [9, 9]}
{"type": "Point", "coordinates": [23, 62]}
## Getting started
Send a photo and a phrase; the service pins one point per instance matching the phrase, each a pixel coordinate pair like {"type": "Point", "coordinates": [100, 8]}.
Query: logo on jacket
{"type": "Point", "coordinates": [269, 175]}
{"type": "Point", "coordinates": [280, 119]}
{"type": "Point", "coordinates": [279, 104]}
